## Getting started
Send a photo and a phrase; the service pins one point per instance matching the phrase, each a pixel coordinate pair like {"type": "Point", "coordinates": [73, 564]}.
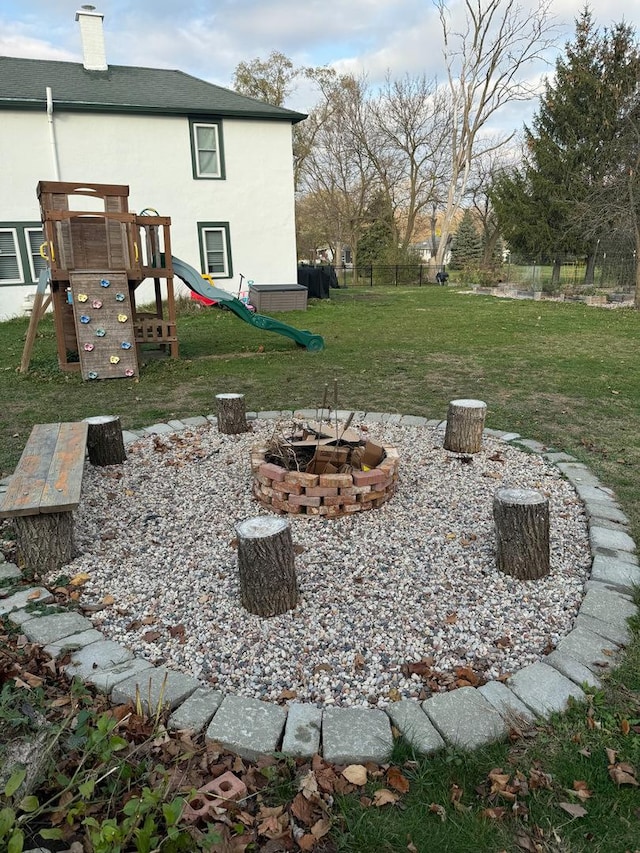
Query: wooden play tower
{"type": "Point", "coordinates": [97, 254]}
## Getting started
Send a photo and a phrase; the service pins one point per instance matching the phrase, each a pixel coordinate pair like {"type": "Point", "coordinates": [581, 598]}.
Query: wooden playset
{"type": "Point", "coordinates": [96, 258]}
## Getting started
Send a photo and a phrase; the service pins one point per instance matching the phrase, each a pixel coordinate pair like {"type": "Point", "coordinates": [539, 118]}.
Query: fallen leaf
{"type": "Point", "coordinates": [495, 813]}
{"type": "Point", "coordinates": [580, 789]}
{"type": "Point", "coordinates": [611, 755]}
{"type": "Point", "coordinates": [625, 728]}
{"type": "Point", "coordinates": [108, 599]}
{"type": "Point", "coordinates": [151, 636]}
{"type": "Point", "coordinates": [623, 774]}
{"type": "Point", "coordinates": [79, 579]}
{"type": "Point", "coordinates": [383, 796]}
{"type": "Point", "coordinates": [436, 808]}
{"type": "Point", "coordinates": [397, 780]}
{"type": "Point", "coordinates": [451, 618]}
{"type": "Point", "coordinates": [33, 595]}
{"type": "Point", "coordinates": [356, 774]}
{"type": "Point", "coordinates": [308, 785]}
{"type": "Point", "coordinates": [573, 809]}
{"type": "Point", "coordinates": [321, 827]}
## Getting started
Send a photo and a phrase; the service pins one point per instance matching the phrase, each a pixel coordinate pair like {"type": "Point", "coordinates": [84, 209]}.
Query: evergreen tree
{"type": "Point", "coordinates": [466, 248]}
{"type": "Point", "coordinates": [568, 148]}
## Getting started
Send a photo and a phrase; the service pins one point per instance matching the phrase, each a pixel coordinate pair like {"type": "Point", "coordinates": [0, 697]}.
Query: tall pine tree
{"type": "Point", "coordinates": [568, 147]}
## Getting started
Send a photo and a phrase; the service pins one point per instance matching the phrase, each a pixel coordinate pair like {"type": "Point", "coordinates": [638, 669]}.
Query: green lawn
{"type": "Point", "coordinates": [562, 373]}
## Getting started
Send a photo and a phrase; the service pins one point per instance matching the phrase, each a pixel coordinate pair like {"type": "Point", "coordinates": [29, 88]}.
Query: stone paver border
{"type": "Point", "coordinates": [466, 717]}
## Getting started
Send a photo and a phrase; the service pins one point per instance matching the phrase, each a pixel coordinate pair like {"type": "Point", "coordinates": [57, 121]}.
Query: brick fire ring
{"type": "Point", "coordinates": [330, 495]}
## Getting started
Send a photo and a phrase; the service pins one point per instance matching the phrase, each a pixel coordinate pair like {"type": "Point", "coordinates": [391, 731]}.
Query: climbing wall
{"type": "Point", "coordinates": [104, 324]}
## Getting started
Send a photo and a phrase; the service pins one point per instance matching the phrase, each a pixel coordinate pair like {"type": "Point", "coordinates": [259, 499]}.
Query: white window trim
{"type": "Point", "coordinates": [16, 246]}
{"type": "Point", "coordinates": [196, 151]}
{"type": "Point", "coordinates": [225, 249]}
{"type": "Point", "coordinates": [27, 232]}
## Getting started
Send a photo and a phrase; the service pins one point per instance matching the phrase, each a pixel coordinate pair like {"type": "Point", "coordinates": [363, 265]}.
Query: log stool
{"type": "Point", "coordinates": [105, 443]}
{"type": "Point", "coordinates": [231, 414]}
{"type": "Point", "coordinates": [268, 583]}
{"type": "Point", "coordinates": [521, 519]}
{"type": "Point", "coordinates": [465, 422]}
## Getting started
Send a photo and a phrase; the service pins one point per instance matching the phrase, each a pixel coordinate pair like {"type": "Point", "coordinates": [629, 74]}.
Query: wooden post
{"type": "Point", "coordinates": [104, 440]}
{"type": "Point", "coordinates": [521, 519]}
{"type": "Point", "coordinates": [268, 583]}
{"type": "Point", "coordinates": [231, 414]}
{"type": "Point", "coordinates": [465, 422]}
{"type": "Point", "coordinates": [45, 541]}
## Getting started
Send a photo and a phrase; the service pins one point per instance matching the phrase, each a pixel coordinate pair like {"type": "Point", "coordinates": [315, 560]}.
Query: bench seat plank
{"type": "Point", "coordinates": [48, 477]}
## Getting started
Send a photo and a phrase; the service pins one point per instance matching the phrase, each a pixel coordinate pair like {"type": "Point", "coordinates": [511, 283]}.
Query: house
{"type": "Point", "coordinates": [216, 162]}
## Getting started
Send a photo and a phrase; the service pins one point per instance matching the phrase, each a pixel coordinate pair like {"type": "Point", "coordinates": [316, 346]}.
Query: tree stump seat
{"type": "Point", "coordinates": [43, 492]}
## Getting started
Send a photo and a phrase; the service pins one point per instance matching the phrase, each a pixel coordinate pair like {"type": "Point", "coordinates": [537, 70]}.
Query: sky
{"type": "Point", "coordinates": [208, 38]}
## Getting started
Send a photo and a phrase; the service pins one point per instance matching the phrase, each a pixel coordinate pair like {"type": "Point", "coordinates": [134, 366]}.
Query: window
{"type": "Point", "coordinates": [34, 238]}
{"type": "Point", "coordinates": [10, 260]}
{"type": "Point", "coordinates": [208, 160]}
{"type": "Point", "coordinates": [215, 249]}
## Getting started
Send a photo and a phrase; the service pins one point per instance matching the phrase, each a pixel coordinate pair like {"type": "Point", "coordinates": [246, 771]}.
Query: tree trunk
{"type": "Point", "coordinates": [521, 519]}
{"type": "Point", "coordinates": [104, 440]}
{"type": "Point", "coordinates": [45, 541]}
{"type": "Point", "coordinates": [465, 422]}
{"type": "Point", "coordinates": [231, 414]}
{"type": "Point", "coordinates": [268, 584]}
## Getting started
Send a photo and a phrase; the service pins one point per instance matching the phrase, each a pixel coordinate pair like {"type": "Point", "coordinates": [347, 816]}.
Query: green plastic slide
{"type": "Point", "coordinates": [199, 285]}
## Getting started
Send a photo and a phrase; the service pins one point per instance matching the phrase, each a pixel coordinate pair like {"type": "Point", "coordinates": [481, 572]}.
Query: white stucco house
{"type": "Point", "coordinates": [218, 163]}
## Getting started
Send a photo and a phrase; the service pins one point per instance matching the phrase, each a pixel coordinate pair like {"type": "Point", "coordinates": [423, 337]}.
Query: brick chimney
{"type": "Point", "coordinates": [92, 34]}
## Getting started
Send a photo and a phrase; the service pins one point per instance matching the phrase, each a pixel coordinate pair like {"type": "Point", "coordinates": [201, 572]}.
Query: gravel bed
{"type": "Point", "coordinates": [412, 581]}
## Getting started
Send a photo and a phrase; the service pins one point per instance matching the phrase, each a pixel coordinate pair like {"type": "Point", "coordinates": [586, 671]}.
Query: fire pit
{"type": "Point", "coordinates": [322, 468]}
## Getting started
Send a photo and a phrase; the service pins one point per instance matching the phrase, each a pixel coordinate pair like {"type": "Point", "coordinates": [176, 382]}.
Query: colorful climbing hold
{"type": "Point", "coordinates": [104, 282]}
{"type": "Point", "coordinates": [85, 319]}
{"type": "Point", "coordinates": [89, 347]}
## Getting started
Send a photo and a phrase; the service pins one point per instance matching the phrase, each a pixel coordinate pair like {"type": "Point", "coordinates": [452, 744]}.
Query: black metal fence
{"type": "Point", "coordinates": [611, 273]}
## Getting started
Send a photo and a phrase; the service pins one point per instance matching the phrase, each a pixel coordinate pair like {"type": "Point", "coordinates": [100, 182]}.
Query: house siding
{"type": "Point", "coordinates": [152, 155]}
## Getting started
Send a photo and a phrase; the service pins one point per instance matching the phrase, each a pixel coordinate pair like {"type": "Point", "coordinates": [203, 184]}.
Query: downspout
{"type": "Point", "coordinates": [52, 135]}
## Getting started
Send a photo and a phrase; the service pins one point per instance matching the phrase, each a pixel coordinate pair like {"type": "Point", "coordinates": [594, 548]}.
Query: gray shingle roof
{"type": "Point", "coordinates": [124, 88]}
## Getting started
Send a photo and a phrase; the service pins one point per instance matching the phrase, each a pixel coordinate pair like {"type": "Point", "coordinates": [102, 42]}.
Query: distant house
{"type": "Point", "coordinates": [218, 163]}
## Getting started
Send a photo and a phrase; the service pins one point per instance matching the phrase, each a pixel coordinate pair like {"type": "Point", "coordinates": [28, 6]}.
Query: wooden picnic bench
{"type": "Point", "coordinates": [43, 492]}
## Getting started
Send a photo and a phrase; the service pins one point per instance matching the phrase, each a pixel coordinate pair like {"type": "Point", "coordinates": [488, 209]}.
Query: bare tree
{"type": "Point", "coordinates": [486, 65]}
{"type": "Point", "coordinates": [407, 140]}
{"type": "Point", "coordinates": [337, 172]}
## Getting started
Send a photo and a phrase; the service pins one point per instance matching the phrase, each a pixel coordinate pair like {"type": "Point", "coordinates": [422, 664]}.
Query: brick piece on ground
{"type": "Point", "coordinates": [544, 689]}
{"type": "Point", "coordinates": [247, 726]}
{"type": "Point", "coordinates": [356, 735]}
{"type": "Point", "coordinates": [195, 713]}
{"type": "Point", "coordinates": [572, 668]}
{"type": "Point", "coordinates": [56, 626]}
{"type": "Point", "coordinates": [102, 655]}
{"type": "Point", "coordinates": [506, 703]}
{"type": "Point", "coordinates": [156, 687]}
{"type": "Point", "coordinates": [465, 718]}
{"type": "Point", "coordinates": [589, 648]}
{"type": "Point", "coordinates": [73, 642]}
{"type": "Point", "coordinates": [21, 599]}
{"type": "Point", "coordinates": [302, 731]}
{"type": "Point", "coordinates": [415, 726]}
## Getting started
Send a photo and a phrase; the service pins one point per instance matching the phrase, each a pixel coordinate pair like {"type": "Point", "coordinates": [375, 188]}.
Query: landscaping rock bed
{"type": "Point", "coordinates": [394, 603]}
